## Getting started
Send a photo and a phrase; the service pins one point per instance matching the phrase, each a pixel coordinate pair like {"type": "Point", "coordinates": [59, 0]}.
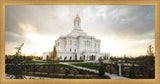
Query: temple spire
{"type": "Point", "coordinates": [77, 21]}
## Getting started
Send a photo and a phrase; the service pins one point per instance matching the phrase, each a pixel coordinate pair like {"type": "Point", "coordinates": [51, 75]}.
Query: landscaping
{"type": "Point", "coordinates": [46, 70]}
{"type": "Point", "coordinates": [86, 65]}
{"type": "Point", "coordinates": [33, 62]}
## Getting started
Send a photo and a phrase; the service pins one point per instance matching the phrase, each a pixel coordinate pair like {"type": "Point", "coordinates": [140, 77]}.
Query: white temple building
{"type": "Point", "coordinates": [77, 45]}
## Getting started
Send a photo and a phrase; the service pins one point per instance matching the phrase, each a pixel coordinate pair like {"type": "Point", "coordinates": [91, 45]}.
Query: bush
{"type": "Point", "coordinates": [104, 77]}
{"type": "Point", "coordinates": [101, 70]}
{"type": "Point", "coordinates": [132, 71]}
{"type": "Point", "coordinates": [67, 72]}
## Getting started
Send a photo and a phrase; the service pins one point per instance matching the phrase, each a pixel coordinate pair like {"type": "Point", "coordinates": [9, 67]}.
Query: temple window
{"type": "Point", "coordinates": [70, 42]}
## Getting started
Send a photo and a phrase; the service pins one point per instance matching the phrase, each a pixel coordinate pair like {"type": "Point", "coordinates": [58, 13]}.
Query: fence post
{"type": "Point", "coordinates": [120, 73]}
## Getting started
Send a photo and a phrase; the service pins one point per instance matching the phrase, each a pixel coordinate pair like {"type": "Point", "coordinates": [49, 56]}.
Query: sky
{"type": "Point", "coordinates": [122, 29]}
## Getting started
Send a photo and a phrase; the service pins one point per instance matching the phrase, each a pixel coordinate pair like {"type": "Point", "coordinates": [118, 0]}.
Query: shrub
{"type": "Point", "coordinates": [132, 71]}
{"type": "Point", "coordinates": [101, 70]}
{"type": "Point", "coordinates": [67, 72]}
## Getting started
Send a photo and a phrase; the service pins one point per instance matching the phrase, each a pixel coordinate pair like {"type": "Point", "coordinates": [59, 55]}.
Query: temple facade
{"type": "Point", "coordinates": [77, 45]}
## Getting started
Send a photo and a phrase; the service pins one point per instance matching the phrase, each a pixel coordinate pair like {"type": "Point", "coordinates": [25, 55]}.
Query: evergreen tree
{"type": "Point", "coordinates": [132, 71]}
{"type": "Point", "coordinates": [125, 58]}
{"type": "Point", "coordinates": [65, 58]}
{"type": "Point", "coordinates": [17, 69]}
{"type": "Point", "coordinates": [101, 68]}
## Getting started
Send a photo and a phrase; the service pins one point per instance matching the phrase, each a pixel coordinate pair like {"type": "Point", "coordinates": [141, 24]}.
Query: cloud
{"type": "Point", "coordinates": [128, 22]}
{"type": "Point", "coordinates": [125, 20]}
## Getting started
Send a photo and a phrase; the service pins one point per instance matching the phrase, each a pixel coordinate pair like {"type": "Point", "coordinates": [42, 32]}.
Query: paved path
{"type": "Point", "coordinates": [113, 76]}
{"type": "Point", "coordinates": [7, 76]}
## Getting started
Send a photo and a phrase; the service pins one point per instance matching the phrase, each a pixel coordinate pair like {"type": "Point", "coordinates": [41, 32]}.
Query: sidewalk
{"type": "Point", "coordinates": [113, 76]}
{"type": "Point", "coordinates": [7, 76]}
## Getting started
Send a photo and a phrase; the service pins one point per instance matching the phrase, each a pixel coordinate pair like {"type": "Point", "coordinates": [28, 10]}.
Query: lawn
{"type": "Point", "coordinates": [71, 68]}
{"type": "Point", "coordinates": [66, 66]}
{"type": "Point", "coordinates": [33, 62]}
{"type": "Point", "coordinates": [86, 65]}
{"type": "Point", "coordinates": [66, 70]}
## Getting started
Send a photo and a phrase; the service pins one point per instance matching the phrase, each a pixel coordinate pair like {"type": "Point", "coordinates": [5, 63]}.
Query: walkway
{"type": "Point", "coordinates": [113, 76]}
{"type": "Point", "coordinates": [7, 76]}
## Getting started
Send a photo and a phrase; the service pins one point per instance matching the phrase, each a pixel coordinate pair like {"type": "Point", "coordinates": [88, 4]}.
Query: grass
{"type": "Point", "coordinates": [86, 65]}
{"type": "Point", "coordinates": [71, 68]}
{"type": "Point", "coordinates": [33, 62]}
{"type": "Point", "coordinates": [66, 66]}
{"type": "Point", "coordinates": [60, 65]}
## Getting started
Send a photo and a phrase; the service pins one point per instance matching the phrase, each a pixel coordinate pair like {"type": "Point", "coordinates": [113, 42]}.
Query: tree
{"type": "Point", "coordinates": [100, 59]}
{"type": "Point", "coordinates": [47, 58]}
{"type": "Point", "coordinates": [54, 61]}
{"type": "Point", "coordinates": [149, 63]}
{"type": "Point", "coordinates": [150, 51]}
{"type": "Point", "coordinates": [54, 54]}
{"type": "Point", "coordinates": [132, 71]}
{"type": "Point", "coordinates": [67, 72]}
{"type": "Point", "coordinates": [125, 58]}
{"type": "Point", "coordinates": [111, 58]}
{"type": "Point", "coordinates": [65, 58]}
{"type": "Point", "coordinates": [17, 69]}
{"type": "Point", "coordinates": [101, 69]}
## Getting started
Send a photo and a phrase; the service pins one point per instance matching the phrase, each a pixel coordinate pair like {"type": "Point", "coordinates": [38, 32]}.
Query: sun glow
{"type": "Point", "coordinates": [37, 43]}
{"type": "Point", "coordinates": [40, 44]}
{"type": "Point", "coordinates": [112, 46]}
{"type": "Point", "coordinates": [119, 47]}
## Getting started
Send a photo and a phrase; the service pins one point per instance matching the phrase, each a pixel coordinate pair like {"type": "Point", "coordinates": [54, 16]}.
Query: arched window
{"type": "Point", "coordinates": [90, 57]}
{"type": "Point", "coordinates": [75, 56]}
{"type": "Point", "coordinates": [70, 58]}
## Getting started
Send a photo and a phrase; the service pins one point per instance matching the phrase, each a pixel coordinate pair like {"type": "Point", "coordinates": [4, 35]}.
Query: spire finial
{"type": "Point", "coordinates": [77, 15]}
{"type": "Point", "coordinates": [77, 21]}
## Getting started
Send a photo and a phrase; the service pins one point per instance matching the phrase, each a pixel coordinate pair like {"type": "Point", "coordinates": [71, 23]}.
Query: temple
{"type": "Point", "coordinates": [77, 45]}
